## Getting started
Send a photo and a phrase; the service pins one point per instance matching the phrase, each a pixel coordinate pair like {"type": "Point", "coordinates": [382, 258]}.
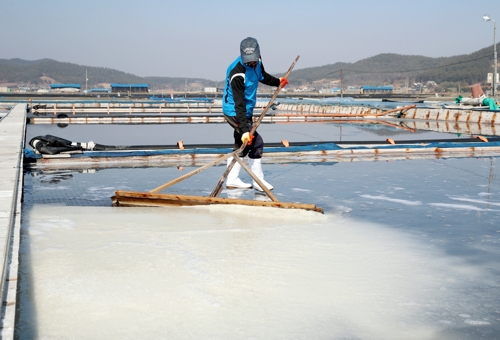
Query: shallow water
{"type": "Point", "coordinates": [170, 134]}
{"type": "Point", "coordinates": [406, 249]}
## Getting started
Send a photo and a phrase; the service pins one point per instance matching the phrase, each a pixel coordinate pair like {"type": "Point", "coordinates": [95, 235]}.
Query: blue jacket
{"type": "Point", "coordinates": [240, 90]}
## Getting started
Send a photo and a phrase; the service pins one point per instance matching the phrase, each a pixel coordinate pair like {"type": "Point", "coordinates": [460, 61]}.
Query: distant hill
{"type": "Point", "coordinates": [382, 69]}
{"type": "Point", "coordinates": [46, 71]}
{"type": "Point", "coordinates": [391, 69]}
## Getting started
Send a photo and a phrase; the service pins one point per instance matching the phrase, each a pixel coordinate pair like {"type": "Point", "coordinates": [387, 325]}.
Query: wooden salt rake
{"type": "Point", "coordinates": [154, 198]}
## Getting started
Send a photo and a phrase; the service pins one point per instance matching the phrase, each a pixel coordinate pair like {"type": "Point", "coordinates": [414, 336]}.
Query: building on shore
{"type": "Point", "coordinates": [99, 90]}
{"type": "Point", "coordinates": [129, 88]}
{"type": "Point", "coordinates": [376, 89]}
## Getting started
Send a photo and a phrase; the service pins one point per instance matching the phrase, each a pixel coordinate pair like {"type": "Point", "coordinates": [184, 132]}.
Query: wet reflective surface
{"type": "Point", "coordinates": [169, 134]}
{"type": "Point", "coordinates": [405, 249]}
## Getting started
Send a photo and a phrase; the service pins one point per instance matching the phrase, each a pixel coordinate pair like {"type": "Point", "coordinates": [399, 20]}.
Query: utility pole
{"type": "Point", "coordinates": [496, 61]}
{"type": "Point", "coordinates": [495, 57]}
{"type": "Point", "coordinates": [341, 87]}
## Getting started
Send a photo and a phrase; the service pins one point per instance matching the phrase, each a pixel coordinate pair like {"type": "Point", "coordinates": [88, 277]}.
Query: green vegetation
{"type": "Point", "coordinates": [382, 69]}
{"type": "Point", "coordinates": [396, 69]}
{"type": "Point", "coordinates": [46, 71]}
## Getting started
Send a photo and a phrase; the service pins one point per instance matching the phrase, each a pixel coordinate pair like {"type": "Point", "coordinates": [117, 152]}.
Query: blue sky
{"type": "Point", "coordinates": [200, 38]}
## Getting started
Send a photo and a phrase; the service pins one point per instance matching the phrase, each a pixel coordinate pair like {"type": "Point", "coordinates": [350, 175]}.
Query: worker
{"type": "Point", "coordinates": [238, 102]}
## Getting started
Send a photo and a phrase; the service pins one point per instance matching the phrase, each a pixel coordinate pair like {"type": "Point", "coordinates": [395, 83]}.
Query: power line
{"type": "Point", "coordinates": [406, 71]}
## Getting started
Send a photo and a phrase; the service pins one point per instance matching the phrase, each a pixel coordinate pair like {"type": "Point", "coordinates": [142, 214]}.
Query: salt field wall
{"type": "Point", "coordinates": [12, 135]}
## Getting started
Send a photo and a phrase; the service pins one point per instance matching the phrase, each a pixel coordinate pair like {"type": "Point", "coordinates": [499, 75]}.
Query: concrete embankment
{"type": "Point", "coordinates": [12, 137]}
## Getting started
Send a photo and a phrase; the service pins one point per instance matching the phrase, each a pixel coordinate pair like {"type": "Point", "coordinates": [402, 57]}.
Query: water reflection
{"type": "Point", "coordinates": [405, 248]}
{"type": "Point", "coordinates": [52, 177]}
{"type": "Point", "coordinates": [338, 130]}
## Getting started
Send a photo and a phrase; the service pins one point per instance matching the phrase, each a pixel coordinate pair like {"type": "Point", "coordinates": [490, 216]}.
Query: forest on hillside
{"type": "Point", "coordinates": [43, 72]}
{"type": "Point", "coordinates": [383, 69]}
{"type": "Point", "coordinates": [398, 70]}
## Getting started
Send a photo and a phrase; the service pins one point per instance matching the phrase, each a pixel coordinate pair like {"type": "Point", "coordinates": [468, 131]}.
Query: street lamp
{"type": "Point", "coordinates": [487, 18]}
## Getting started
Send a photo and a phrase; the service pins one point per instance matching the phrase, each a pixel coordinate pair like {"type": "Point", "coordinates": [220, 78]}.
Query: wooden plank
{"type": "Point", "coordinates": [218, 187]}
{"type": "Point", "coordinates": [134, 198]}
{"type": "Point", "coordinates": [192, 173]}
{"type": "Point", "coordinates": [256, 179]}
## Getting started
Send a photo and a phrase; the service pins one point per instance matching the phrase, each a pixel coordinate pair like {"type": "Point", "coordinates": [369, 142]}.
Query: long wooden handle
{"type": "Point", "coordinates": [218, 188]}
{"type": "Point", "coordinates": [271, 102]}
{"type": "Point", "coordinates": [192, 173]}
{"type": "Point", "coordinates": [256, 179]}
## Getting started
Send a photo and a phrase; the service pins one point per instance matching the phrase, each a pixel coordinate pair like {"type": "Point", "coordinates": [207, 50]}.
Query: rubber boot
{"type": "Point", "coordinates": [256, 167]}
{"type": "Point", "coordinates": [233, 180]}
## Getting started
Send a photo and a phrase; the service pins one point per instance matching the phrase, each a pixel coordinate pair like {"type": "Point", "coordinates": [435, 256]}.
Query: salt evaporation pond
{"type": "Point", "coordinates": [169, 134]}
{"type": "Point", "coordinates": [405, 249]}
